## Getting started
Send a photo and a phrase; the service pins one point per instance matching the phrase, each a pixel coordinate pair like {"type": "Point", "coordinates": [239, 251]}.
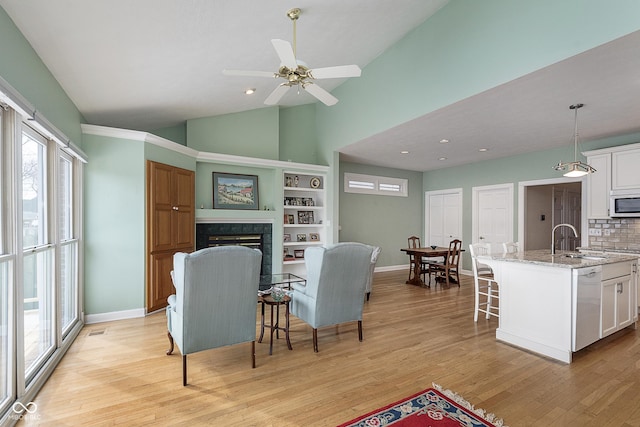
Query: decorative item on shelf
{"type": "Point", "coordinates": [287, 237]}
{"type": "Point", "coordinates": [309, 201]}
{"type": "Point", "coordinates": [305, 217]}
{"type": "Point", "coordinates": [315, 182]}
{"type": "Point", "coordinates": [289, 219]}
{"type": "Point", "coordinates": [287, 255]}
{"type": "Point", "coordinates": [576, 168]}
{"type": "Point", "coordinates": [299, 253]}
{"type": "Point", "coordinates": [296, 181]}
{"type": "Point", "coordinates": [302, 237]}
{"type": "Point", "coordinates": [287, 181]}
{"type": "Point", "coordinates": [314, 237]}
{"type": "Point", "coordinates": [234, 191]}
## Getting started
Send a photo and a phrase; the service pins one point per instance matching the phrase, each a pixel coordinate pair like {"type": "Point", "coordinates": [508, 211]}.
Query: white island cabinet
{"type": "Point", "coordinates": [555, 305]}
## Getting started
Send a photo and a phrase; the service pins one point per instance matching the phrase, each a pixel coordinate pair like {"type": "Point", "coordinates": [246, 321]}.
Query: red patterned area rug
{"type": "Point", "coordinates": [432, 407]}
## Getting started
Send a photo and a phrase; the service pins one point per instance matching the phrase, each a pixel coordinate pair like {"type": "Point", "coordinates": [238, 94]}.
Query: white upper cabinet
{"type": "Point", "coordinates": [617, 168]}
{"type": "Point", "coordinates": [626, 170]}
{"type": "Point", "coordinates": [599, 186]}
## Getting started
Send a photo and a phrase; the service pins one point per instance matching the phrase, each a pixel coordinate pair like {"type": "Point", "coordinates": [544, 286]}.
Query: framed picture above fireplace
{"type": "Point", "coordinates": [235, 191]}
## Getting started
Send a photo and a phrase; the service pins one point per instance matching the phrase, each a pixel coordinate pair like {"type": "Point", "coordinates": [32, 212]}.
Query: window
{"type": "Point", "coordinates": [370, 184]}
{"type": "Point", "coordinates": [68, 245]}
{"type": "Point", "coordinates": [37, 268]}
{"type": "Point", "coordinates": [40, 237]}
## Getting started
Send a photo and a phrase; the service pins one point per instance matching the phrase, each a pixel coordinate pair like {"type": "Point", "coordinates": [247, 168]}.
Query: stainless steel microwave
{"type": "Point", "coordinates": [625, 203]}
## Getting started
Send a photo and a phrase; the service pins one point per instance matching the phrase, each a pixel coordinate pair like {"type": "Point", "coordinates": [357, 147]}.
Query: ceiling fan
{"type": "Point", "coordinates": [296, 73]}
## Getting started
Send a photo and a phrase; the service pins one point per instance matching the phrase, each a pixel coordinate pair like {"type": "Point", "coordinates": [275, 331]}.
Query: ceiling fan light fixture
{"type": "Point", "coordinates": [576, 168]}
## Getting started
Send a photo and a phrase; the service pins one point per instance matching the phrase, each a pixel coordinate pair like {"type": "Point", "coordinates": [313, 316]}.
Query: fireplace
{"type": "Point", "coordinates": [253, 235]}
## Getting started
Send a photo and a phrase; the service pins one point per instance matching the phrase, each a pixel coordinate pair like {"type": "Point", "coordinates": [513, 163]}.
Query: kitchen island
{"type": "Point", "coordinates": [557, 304]}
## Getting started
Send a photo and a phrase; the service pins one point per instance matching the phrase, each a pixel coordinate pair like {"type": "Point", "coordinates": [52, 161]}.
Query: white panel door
{"type": "Point", "coordinates": [493, 215]}
{"type": "Point", "coordinates": [443, 217]}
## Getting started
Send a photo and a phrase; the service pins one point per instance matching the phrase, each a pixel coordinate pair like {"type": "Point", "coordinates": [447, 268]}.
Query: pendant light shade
{"type": "Point", "coordinates": [576, 168]}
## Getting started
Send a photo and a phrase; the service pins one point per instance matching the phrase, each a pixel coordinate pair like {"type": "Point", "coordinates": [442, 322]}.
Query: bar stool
{"type": "Point", "coordinates": [485, 286]}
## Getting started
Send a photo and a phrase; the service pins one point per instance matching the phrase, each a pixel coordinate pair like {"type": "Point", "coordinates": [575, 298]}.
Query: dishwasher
{"type": "Point", "coordinates": [586, 284]}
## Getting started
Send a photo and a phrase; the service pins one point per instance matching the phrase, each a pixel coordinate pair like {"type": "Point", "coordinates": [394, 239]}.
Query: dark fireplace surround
{"type": "Point", "coordinates": [205, 231]}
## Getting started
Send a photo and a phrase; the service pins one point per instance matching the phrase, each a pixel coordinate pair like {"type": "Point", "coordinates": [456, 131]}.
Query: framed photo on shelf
{"type": "Point", "coordinates": [287, 237]}
{"type": "Point", "coordinates": [299, 253]}
{"type": "Point", "coordinates": [234, 191]}
{"type": "Point", "coordinates": [289, 219]}
{"type": "Point", "coordinates": [314, 237]}
{"type": "Point", "coordinates": [302, 237]}
{"type": "Point", "coordinates": [305, 217]}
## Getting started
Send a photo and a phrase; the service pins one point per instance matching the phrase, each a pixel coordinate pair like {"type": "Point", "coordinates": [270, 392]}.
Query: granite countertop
{"type": "Point", "coordinates": [624, 250]}
{"type": "Point", "coordinates": [561, 259]}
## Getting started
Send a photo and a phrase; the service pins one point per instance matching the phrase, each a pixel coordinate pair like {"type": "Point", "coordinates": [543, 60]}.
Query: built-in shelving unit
{"type": "Point", "coordinates": [305, 218]}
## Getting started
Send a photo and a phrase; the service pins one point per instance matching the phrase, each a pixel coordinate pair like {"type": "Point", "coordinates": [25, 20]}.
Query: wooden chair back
{"type": "Point", "coordinates": [414, 242]}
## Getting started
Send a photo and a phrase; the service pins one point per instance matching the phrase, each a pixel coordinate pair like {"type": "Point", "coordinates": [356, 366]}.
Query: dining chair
{"type": "Point", "coordinates": [510, 247]}
{"type": "Point", "coordinates": [414, 242]}
{"type": "Point", "coordinates": [485, 287]}
{"type": "Point", "coordinates": [449, 266]}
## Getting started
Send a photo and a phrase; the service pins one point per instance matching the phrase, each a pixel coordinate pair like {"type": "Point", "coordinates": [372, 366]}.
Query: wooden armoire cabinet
{"type": "Point", "coordinates": [170, 227]}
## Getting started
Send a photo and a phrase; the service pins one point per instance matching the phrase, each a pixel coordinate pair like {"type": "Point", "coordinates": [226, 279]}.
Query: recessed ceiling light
{"type": "Point", "coordinates": [444, 141]}
{"type": "Point", "coordinates": [482, 150]}
{"type": "Point", "coordinates": [404, 152]}
{"type": "Point", "coordinates": [250, 91]}
{"type": "Point", "coordinates": [442, 158]}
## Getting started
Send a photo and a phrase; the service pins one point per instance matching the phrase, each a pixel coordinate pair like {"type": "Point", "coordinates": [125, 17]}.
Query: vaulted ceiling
{"type": "Point", "coordinates": [148, 64]}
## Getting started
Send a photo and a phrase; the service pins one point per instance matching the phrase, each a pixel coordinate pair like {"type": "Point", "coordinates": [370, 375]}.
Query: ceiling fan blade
{"type": "Point", "coordinates": [285, 53]}
{"type": "Point", "coordinates": [276, 95]}
{"type": "Point", "coordinates": [248, 73]}
{"type": "Point", "coordinates": [321, 94]}
{"type": "Point", "coordinates": [336, 72]}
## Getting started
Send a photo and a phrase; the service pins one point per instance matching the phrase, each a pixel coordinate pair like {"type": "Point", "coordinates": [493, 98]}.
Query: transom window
{"type": "Point", "coordinates": [371, 184]}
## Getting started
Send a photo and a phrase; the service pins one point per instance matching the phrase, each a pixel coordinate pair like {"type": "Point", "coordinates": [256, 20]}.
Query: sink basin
{"type": "Point", "coordinates": [584, 256]}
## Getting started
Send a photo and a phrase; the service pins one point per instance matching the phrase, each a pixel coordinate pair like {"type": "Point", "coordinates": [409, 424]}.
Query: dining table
{"type": "Point", "coordinates": [415, 270]}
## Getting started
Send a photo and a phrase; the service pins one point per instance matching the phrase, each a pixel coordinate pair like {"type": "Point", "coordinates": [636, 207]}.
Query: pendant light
{"type": "Point", "coordinates": [576, 168]}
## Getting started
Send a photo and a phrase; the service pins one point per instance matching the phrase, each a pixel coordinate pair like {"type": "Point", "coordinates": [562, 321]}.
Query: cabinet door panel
{"type": "Point", "coordinates": [625, 170]}
{"type": "Point", "coordinates": [608, 315]}
{"type": "Point", "coordinates": [624, 303]}
{"type": "Point", "coordinates": [161, 286]}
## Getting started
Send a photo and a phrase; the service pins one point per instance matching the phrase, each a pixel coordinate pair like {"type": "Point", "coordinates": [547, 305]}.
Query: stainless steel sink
{"type": "Point", "coordinates": [585, 256]}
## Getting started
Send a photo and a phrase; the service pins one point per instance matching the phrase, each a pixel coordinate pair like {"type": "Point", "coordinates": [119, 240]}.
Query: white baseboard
{"type": "Point", "coordinates": [113, 315]}
{"type": "Point", "coordinates": [392, 268]}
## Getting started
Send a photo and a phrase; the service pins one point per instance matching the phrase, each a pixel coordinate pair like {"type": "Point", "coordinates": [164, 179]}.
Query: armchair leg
{"type": "Point", "coordinates": [171, 343]}
{"type": "Point", "coordinates": [184, 370]}
{"type": "Point", "coordinates": [315, 340]}
{"type": "Point", "coordinates": [253, 354]}
{"type": "Point", "coordinates": [360, 330]}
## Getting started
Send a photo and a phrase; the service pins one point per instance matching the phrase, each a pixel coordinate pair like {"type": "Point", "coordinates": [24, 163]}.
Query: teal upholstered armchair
{"type": "Point", "coordinates": [336, 280]}
{"type": "Point", "coordinates": [215, 300]}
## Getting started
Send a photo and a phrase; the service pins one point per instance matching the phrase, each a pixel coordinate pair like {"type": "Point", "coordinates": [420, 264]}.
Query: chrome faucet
{"type": "Point", "coordinates": [553, 232]}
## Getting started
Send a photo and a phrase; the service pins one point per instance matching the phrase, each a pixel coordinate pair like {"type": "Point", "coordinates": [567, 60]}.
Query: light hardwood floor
{"type": "Point", "coordinates": [412, 337]}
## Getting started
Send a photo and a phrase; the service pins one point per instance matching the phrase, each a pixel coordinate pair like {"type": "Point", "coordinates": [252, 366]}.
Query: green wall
{"type": "Point", "coordinates": [23, 69]}
{"type": "Point", "coordinates": [114, 212]}
{"type": "Point", "coordinates": [298, 140]}
{"type": "Point", "coordinates": [384, 221]}
{"type": "Point", "coordinates": [251, 133]}
{"type": "Point", "coordinates": [176, 134]}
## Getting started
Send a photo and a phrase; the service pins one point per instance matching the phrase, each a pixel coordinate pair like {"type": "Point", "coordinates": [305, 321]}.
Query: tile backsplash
{"type": "Point", "coordinates": [614, 233]}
